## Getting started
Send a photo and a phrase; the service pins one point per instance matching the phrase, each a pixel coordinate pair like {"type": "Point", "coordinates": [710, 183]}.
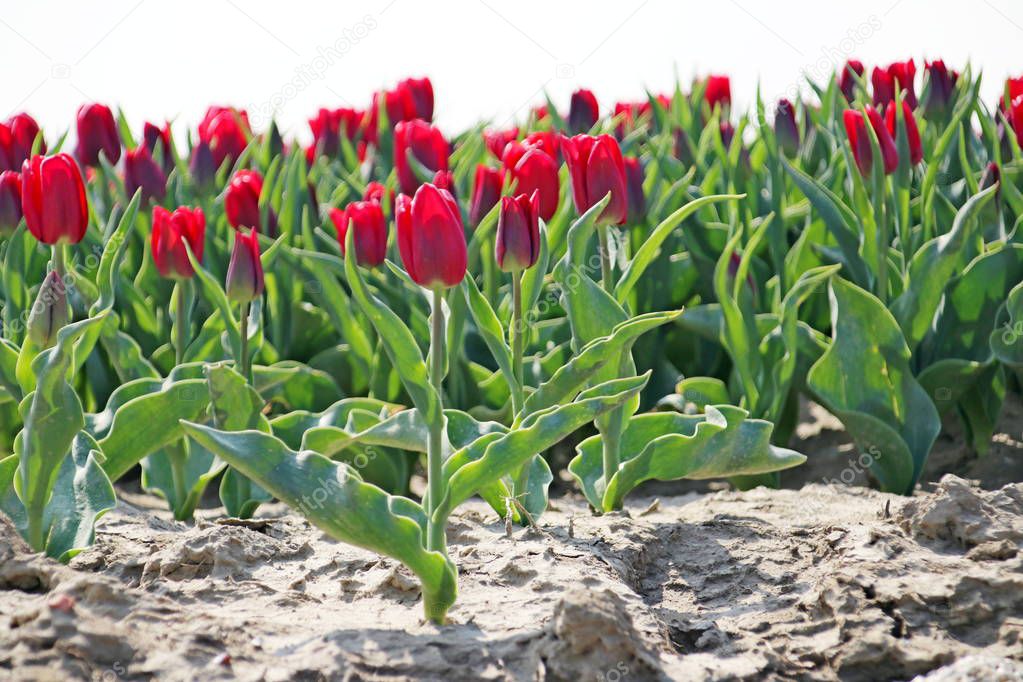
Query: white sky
{"type": "Point", "coordinates": [487, 59]}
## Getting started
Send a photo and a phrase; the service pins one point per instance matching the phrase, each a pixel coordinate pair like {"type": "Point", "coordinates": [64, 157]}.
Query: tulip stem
{"type": "Point", "coordinates": [244, 362]}
{"type": "Point", "coordinates": [434, 448]}
{"type": "Point", "coordinates": [517, 341]}
{"type": "Point", "coordinates": [605, 259]}
{"type": "Point", "coordinates": [180, 323]}
{"type": "Point", "coordinates": [59, 257]}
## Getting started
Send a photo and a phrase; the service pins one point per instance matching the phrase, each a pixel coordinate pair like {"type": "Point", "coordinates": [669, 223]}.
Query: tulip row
{"type": "Point", "coordinates": [242, 310]}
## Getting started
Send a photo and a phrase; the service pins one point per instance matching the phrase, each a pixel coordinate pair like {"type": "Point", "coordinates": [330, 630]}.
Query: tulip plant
{"type": "Point", "coordinates": [657, 287]}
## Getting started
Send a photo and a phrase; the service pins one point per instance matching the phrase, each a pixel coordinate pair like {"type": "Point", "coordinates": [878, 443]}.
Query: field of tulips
{"type": "Point", "coordinates": [382, 328]}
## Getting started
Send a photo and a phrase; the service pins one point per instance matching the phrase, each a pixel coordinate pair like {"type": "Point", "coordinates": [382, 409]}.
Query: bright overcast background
{"type": "Point", "coordinates": [487, 59]}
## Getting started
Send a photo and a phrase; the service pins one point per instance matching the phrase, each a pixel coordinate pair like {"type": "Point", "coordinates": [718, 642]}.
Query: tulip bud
{"type": "Point", "coordinates": [202, 166]}
{"type": "Point", "coordinates": [328, 127]}
{"type": "Point", "coordinates": [634, 184]}
{"type": "Point", "coordinates": [902, 75]}
{"type": "Point", "coordinates": [1016, 118]}
{"type": "Point", "coordinates": [497, 140]}
{"type": "Point", "coordinates": [546, 141]}
{"type": "Point", "coordinates": [940, 86]}
{"type": "Point", "coordinates": [683, 150]}
{"type": "Point", "coordinates": [245, 271]}
{"type": "Point", "coordinates": [226, 130]}
{"type": "Point", "coordinates": [727, 133]}
{"type": "Point", "coordinates": [375, 191]}
{"type": "Point", "coordinates": [426, 144]}
{"type": "Point", "coordinates": [859, 140]}
{"type": "Point", "coordinates": [916, 152]}
{"type": "Point", "coordinates": [583, 112]}
{"type": "Point", "coordinates": [53, 199]}
{"type": "Point", "coordinates": [10, 201]}
{"type": "Point", "coordinates": [992, 176]}
{"type": "Point", "coordinates": [446, 180]}
{"type": "Point", "coordinates": [97, 132]}
{"type": "Point", "coordinates": [517, 245]}
{"type": "Point", "coordinates": [367, 219]}
{"type": "Point", "coordinates": [398, 105]}
{"type": "Point", "coordinates": [142, 172]}
{"type": "Point", "coordinates": [420, 92]}
{"type": "Point", "coordinates": [534, 170]}
{"type": "Point", "coordinates": [17, 136]}
{"type": "Point", "coordinates": [785, 128]}
{"type": "Point", "coordinates": [158, 141]}
{"type": "Point", "coordinates": [626, 113]}
{"type": "Point", "coordinates": [171, 231]}
{"type": "Point", "coordinates": [242, 202]}
{"type": "Point", "coordinates": [49, 312]}
{"type": "Point", "coordinates": [847, 81]}
{"type": "Point", "coordinates": [718, 92]}
{"type": "Point", "coordinates": [486, 192]}
{"type": "Point", "coordinates": [596, 167]}
{"type": "Point", "coordinates": [431, 239]}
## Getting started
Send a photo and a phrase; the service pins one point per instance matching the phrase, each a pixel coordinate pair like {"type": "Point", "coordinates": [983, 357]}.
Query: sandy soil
{"type": "Point", "coordinates": [823, 583]}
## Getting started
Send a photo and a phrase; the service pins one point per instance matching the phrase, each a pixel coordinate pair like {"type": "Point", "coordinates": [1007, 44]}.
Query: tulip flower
{"type": "Point", "coordinates": [431, 239]}
{"type": "Point", "coordinates": [727, 133]}
{"type": "Point", "coordinates": [486, 192]}
{"type": "Point", "coordinates": [596, 167]}
{"type": "Point", "coordinates": [142, 172]}
{"type": "Point", "coordinates": [53, 199]}
{"type": "Point", "coordinates": [517, 245]}
{"type": "Point", "coordinates": [718, 92]}
{"type": "Point", "coordinates": [626, 114]}
{"type": "Point", "coordinates": [50, 311]}
{"type": "Point", "coordinates": [884, 86]}
{"type": "Point", "coordinates": [242, 202]}
{"type": "Point", "coordinates": [156, 138]}
{"type": "Point", "coordinates": [328, 127]}
{"type": "Point", "coordinates": [17, 136]}
{"type": "Point", "coordinates": [375, 191]}
{"type": "Point", "coordinates": [683, 149]}
{"type": "Point", "coordinates": [785, 128]}
{"type": "Point", "coordinates": [445, 180]}
{"type": "Point", "coordinates": [97, 132]}
{"type": "Point", "coordinates": [916, 152]}
{"type": "Point", "coordinates": [10, 201]}
{"type": "Point", "coordinates": [245, 270]}
{"type": "Point", "coordinates": [202, 167]}
{"type": "Point", "coordinates": [497, 140]}
{"type": "Point", "coordinates": [226, 130]}
{"type": "Point", "coordinates": [399, 106]}
{"type": "Point", "coordinates": [547, 141]}
{"type": "Point", "coordinates": [426, 144]}
{"type": "Point", "coordinates": [902, 74]}
{"type": "Point", "coordinates": [859, 140]}
{"type": "Point", "coordinates": [171, 231]}
{"type": "Point", "coordinates": [634, 185]}
{"type": "Point", "coordinates": [420, 93]}
{"type": "Point", "coordinates": [534, 170]}
{"type": "Point", "coordinates": [847, 81]}
{"type": "Point", "coordinates": [1016, 118]}
{"type": "Point", "coordinates": [367, 219]}
{"type": "Point", "coordinates": [583, 111]}
{"type": "Point", "coordinates": [941, 84]}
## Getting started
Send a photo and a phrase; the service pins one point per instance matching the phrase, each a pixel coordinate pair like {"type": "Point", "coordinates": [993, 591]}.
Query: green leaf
{"type": "Point", "coordinates": [489, 328]}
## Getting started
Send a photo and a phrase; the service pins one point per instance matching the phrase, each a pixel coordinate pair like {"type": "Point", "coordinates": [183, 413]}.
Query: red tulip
{"type": "Point", "coordinates": [375, 191]}
{"type": "Point", "coordinates": [941, 84]}
{"type": "Point", "coordinates": [1015, 87]}
{"type": "Point", "coordinates": [445, 180]}
{"type": "Point", "coordinates": [859, 140]}
{"type": "Point", "coordinates": [17, 136]}
{"type": "Point", "coordinates": [626, 113]}
{"type": "Point", "coordinates": [53, 199]}
{"type": "Point", "coordinates": [884, 86]}
{"type": "Point", "coordinates": [546, 141]}
{"type": "Point", "coordinates": [916, 153]}
{"type": "Point", "coordinates": [426, 144]}
{"type": "Point", "coordinates": [596, 167]}
{"type": "Point", "coordinates": [534, 170]}
{"type": "Point", "coordinates": [785, 128]}
{"type": "Point", "coordinates": [97, 132]}
{"type": "Point", "coordinates": [367, 219]}
{"type": "Point", "coordinates": [583, 111]}
{"type": "Point", "coordinates": [847, 81]}
{"type": "Point", "coordinates": [718, 91]}
{"type": "Point", "coordinates": [245, 270]}
{"type": "Point", "coordinates": [497, 140]}
{"type": "Point", "coordinates": [242, 202]}
{"type": "Point", "coordinates": [634, 185]}
{"type": "Point", "coordinates": [142, 172]}
{"type": "Point", "coordinates": [10, 201]}
{"type": "Point", "coordinates": [902, 74]}
{"type": "Point", "coordinates": [683, 149]}
{"type": "Point", "coordinates": [398, 104]}
{"type": "Point", "coordinates": [202, 166]}
{"type": "Point", "coordinates": [420, 92]}
{"type": "Point", "coordinates": [328, 127]}
{"type": "Point", "coordinates": [486, 192]}
{"type": "Point", "coordinates": [226, 130]}
{"type": "Point", "coordinates": [155, 137]}
{"type": "Point", "coordinates": [431, 239]}
{"type": "Point", "coordinates": [517, 245]}
{"type": "Point", "coordinates": [171, 231]}
{"type": "Point", "coordinates": [1016, 117]}
{"type": "Point", "coordinates": [727, 133]}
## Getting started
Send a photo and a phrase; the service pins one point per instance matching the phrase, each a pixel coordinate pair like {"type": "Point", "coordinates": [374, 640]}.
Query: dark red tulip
{"type": "Point", "coordinates": [1014, 87]}
{"type": "Point", "coordinates": [634, 185]}
{"type": "Point", "coordinates": [941, 84]}
{"type": "Point", "coordinates": [375, 191]}
{"type": "Point", "coordinates": [497, 140]}
{"type": "Point", "coordinates": [202, 167]}
{"type": "Point", "coordinates": [226, 130]}
{"type": "Point", "coordinates": [546, 141]}
{"type": "Point", "coordinates": [718, 91]}
{"type": "Point", "coordinates": [517, 245]}
{"type": "Point", "coordinates": [727, 133]}
{"type": "Point", "coordinates": [431, 239]}
{"type": "Point", "coordinates": [847, 80]}
{"type": "Point", "coordinates": [53, 199]}
{"type": "Point", "coordinates": [583, 111]}
{"type": "Point", "coordinates": [903, 74]}
{"type": "Point", "coordinates": [916, 152]}
{"type": "Point", "coordinates": [10, 201]}
{"type": "Point", "coordinates": [1016, 118]}
{"type": "Point", "coordinates": [992, 176]}
{"type": "Point", "coordinates": [328, 127]}
{"type": "Point", "coordinates": [367, 218]}
{"type": "Point", "coordinates": [142, 172]}
{"type": "Point", "coordinates": [884, 86]}
{"type": "Point", "coordinates": [683, 149]}
{"type": "Point", "coordinates": [17, 136]}
{"type": "Point", "coordinates": [420, 92]}
{"type": "Point", "coordinates": [626, 113]}
{"type": "Point", "coordinates": [533, 170]}
{"type": "Point", "coordinates": [399, 106]}
{"type": "Point", "coordinates": [242, 202]}
{"type": "Point", "coordinates": [859, 140]}
{"type": "Point", "coordinates": [156, 138]}
{"type": "Point", "coordinates": [596, 167]}
{"type": "Point", "coordinates": [786, 130]}
{"type": "Point", "coordinates": [486, 191]}
{"type": "Point", "coordinates": [97, 132]}
{"type": "Point", "coordinates": [171, 231]}
{"type": "Point", "coordinates": [426, 144]}
{"type": "Point", "coordinates": [245, 270]}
